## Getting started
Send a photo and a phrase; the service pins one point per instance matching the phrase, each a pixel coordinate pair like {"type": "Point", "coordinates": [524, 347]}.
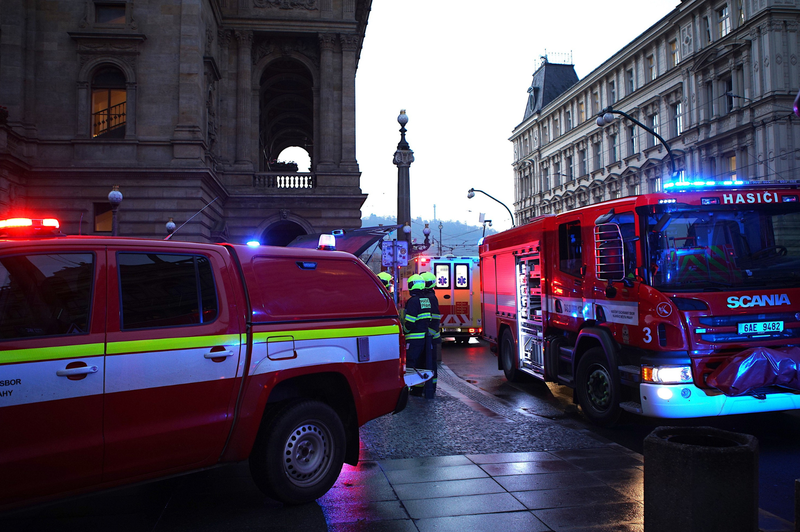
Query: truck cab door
{"type": "Point", "coordinates": [567, 304]}
{"type": "Point", "coordinates": [52, 342]}
{"type": "Point", "coordinates": [173, 360]}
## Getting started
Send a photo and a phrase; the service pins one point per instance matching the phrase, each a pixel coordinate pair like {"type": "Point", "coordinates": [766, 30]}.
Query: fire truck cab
{"type": "Point", "coordinates": [659, 304]}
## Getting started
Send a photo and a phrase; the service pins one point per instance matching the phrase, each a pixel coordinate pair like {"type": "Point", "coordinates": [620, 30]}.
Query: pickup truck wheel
{"type": "Point", "coordinates": [508, 356]}
{"type": "Point", "coordinates": [598, 393]}
{"type": "Point", "coordinates": [299, 453]}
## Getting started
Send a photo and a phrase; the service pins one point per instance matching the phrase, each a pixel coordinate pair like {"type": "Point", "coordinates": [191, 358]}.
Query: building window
{"type": "Point", "coordinates": [598, 156]}
{"type": "Point", "coordinates": [614, 148]}
{"type": "Point", "coordinates": [109, 97]}
{"type": "Point", "coordinates": [612, 92]}
{"type": "Point", "coordinates": [709, 100]}
{"type": "Point", "coordinates": [111, 13]}
{"type": "Point", "coordinates": [545, 137]}
{"type": "Point", "coordinates": [724, 21]}
{"type": "Point", "coordinates": [569, 169]}
{"type": "Point", "coordinates": [568, 119]}
{"type": "Point", "coordinates": [673, 54]}
{"type": "Point", "coordinates": [582, 162]}
{"type": "Point", "coordinates": [728, 86]}
{"type": "Point", "coordinates": [631, 140]}
{"type": "Point", "coordinates": [651, 68]}
{"type": "Point", "coordinates": [545, 180]}
{"type": "Point", "coordinates": [102, 217]}
{"type": "Point", "coordinates": [595, 103]}
{"type": "Point", "coordinates": [707, 28]}
{"type": "Point", "coordinates": [556, 130]}
{"type": "Point", "coordinates": [730, 167]}
{"type": "Point", "coordinates": [581, 112]}
{"type": "Point", "coordinates": [557, 175]}
{"type": "Point", "coordinates": [654, 127]}
{"type": "Point", "coordinates": [740, 9]}
{"type": "Point", "coordinates": [677, 119]}
{"type": "Point", "coordinates": [631, 84]}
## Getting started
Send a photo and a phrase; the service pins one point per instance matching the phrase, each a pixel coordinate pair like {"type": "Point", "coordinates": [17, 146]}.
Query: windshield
{"type": "Point", "coordinates": [711, 248]}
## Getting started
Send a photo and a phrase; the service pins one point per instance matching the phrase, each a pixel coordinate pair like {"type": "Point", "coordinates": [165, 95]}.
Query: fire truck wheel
{"type": "Point", "coordinates": [598, 393]}
{"type": "Point", "coordinates": [299, 452]}
{"type": "Point", "coordinates": [508, 349]}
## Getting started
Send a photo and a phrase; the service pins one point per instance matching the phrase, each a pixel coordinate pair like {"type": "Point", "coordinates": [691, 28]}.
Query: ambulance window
{"type": "Point", "coordinates": [164, 290]}
{"type": "Point", "coordinates": [461, 276]}
{"type": "Point", "coordinates": [45, 295]}
{"type": "Point", "coordinates": [442, 272]}
{"type": "Point", "coordinates": [569, 247]}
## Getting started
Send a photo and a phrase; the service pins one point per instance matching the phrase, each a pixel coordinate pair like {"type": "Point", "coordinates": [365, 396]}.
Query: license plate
{"type": "Point", "coordinates": [759, 327]}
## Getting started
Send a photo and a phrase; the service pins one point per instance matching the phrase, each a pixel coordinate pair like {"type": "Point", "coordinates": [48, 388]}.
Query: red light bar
{"type": "Point", "coordinates": [28, 222]}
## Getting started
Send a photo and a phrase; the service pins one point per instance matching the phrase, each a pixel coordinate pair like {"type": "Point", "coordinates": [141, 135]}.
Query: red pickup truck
{"type": "Point", "coordinates": [125, 359]}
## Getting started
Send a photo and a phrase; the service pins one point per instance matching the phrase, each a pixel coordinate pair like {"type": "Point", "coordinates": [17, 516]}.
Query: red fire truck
{"type": "Point", "coordinates": [678, 304]}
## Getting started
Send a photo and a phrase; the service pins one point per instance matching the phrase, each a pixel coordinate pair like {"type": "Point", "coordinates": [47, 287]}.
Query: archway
{"type": "Point", "coordinates": [281, 233]}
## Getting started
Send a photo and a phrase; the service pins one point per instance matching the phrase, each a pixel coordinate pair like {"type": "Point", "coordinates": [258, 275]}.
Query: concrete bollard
{"type": "Point", "coordinates": [700, 479]}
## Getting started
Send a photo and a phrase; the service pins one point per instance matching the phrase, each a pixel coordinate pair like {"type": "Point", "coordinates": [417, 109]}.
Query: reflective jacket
{"type": "Point", "coordinates": [417, 316]}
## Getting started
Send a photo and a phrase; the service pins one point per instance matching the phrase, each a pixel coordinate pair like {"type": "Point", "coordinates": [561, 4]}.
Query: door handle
{"type": "Point", "coordinates": [219, 354]}
{"type": "Point", "coordinates": [71, 372]}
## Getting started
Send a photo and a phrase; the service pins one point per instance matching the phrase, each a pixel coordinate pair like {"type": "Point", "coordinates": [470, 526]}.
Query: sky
{"type": "Point", "coordinates": [461, 70]}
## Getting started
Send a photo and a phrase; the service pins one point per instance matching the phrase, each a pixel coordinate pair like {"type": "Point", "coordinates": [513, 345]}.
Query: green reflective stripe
{"type": "Point", "coordinates": [320, 334]}
{"type": "Point", "coordinates": [169, 344]}
{"type": "Point", "coordinates": [424, 316]}
{"type": "Point", "coordinates": [50, 353]}
{"type": "Point", "coordinates": [412, 319]}
{"type": "Point", "coordinates": [436, 316]}
{"type": "Point", "coordinates": [415, 336]}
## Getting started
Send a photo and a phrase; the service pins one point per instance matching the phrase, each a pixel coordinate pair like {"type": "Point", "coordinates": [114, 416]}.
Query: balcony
{"type": "Point", "coordinates": [284, 180]}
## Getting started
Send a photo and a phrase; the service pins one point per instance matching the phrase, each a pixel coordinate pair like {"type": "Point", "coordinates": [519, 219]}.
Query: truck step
{"type": "Point", "coordinates": [631, 406]}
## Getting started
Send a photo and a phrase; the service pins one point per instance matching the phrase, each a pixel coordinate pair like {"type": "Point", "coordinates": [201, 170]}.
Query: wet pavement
{"type": "Point", "coordinates": [465, 460]}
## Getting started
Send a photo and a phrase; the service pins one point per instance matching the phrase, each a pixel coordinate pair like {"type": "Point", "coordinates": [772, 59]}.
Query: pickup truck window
{"type": "Point", "coordinates": [166, 290]}
{"type": "Point", "coordinates": [45, 294]}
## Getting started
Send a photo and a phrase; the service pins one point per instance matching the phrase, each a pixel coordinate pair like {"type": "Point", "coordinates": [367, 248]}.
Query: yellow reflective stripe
{"type": "Point", "coordinates": [50, 353]}
{"type": "Point", "coordinates": [168, 344]}
{"type": "Point", "coordinates": [319, 334]}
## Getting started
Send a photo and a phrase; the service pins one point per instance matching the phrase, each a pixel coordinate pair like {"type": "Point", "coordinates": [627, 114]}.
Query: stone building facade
{"type": "Point", "coordinates": [715, 79]}
{"type": "Point", "coordinates": [186, 105]}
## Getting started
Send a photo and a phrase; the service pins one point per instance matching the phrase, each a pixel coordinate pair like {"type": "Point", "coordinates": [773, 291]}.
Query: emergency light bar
{"type": "Point", "coordinates": [684, 185]}
{"type": "Point", "coordinates": [327, 242]}
{"type": "Point", "coordinates": [25, 227]}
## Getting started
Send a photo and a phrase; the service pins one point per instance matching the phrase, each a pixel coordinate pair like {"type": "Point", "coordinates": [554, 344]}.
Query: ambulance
{"type": "Point", "coordinates": [458, 289]}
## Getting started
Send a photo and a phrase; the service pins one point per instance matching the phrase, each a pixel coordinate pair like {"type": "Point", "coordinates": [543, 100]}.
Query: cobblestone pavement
{"type": "Point", "coordinates": [462, 419]}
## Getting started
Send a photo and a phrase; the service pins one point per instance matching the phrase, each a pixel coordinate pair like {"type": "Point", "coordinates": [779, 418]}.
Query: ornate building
{"type": "Point", "coordinates": [183, 104]}
{"type": "Point", "coordinates": [715, 79]}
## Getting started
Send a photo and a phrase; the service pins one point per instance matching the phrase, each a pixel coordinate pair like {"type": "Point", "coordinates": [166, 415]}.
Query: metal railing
{"type": "Point", "coordinates": [284, 180]}
{"type": "Point", "coordinates": [108, 119]}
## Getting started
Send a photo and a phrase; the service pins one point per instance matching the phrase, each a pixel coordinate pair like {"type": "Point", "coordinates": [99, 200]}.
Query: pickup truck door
{"type": "Point", "coordinates": [52, 334]}
{"type": "Point", "coordinates": [172, 364]}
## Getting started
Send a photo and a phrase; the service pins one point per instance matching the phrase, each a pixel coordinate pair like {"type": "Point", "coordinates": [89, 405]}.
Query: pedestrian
{"type": "Point", "coordinates": [386, 279]}
{"type": "Point", "coordinates": [434, 331]}
{"type": "Point", "coordinates": [416, 320]}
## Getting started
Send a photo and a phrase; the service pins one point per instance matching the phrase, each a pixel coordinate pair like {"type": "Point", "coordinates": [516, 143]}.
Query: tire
{"type": "Point", "coordinates": [299, 452]}
{"type": "Point", "coordinates": [508, 357]}
{"type": "Point", "coordinates": [598, 392]}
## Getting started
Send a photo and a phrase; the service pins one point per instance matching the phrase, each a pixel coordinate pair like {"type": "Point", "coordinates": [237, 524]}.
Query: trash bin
{"type": "Point", "coordinates": [700, 479]}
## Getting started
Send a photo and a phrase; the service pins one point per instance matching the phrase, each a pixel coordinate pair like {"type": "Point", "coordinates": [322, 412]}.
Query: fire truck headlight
{"type": "Point", "coordinates": [667, 374]}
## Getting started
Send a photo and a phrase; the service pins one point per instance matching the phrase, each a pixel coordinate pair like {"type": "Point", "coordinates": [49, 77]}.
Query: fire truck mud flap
{"type": "Point", "coordinates": [756, 368]}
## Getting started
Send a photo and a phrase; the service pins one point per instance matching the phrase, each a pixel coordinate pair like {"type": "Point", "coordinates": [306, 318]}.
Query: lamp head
{"type": "Point", "coordinates": [115, 196]}
{"type": "Point", "coordinates": [608, 118]}
{"type": "Point", "coordinates": [426, 231]}
{"type": "Point", "coordinates": [471, 193]}
{"type": "Point", "coordinates": [403, 118]}
{"type": "Point", "coordinates": [407, 228]}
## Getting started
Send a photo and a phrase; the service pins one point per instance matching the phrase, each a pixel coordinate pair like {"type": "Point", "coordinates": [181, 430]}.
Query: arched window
{"type": "Point", "coordinates": [109, 103]}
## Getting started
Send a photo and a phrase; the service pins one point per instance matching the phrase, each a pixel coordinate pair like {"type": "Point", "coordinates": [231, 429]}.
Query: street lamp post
{"type": "Point", "coordinates": [440, 238]}
{"type": "Point", "coordinates": [606, 116]}
{"type": "Point", "coordinates": [403, 158]}
{"type": "Point", "coordinates": [114, 198]}
{"type": "Point", "coordinates": [471, 194]}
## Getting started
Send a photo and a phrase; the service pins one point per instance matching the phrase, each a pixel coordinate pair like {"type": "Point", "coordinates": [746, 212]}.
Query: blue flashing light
{"type": "Point", "coordinates": [669, 200]}
{"type": "Point", "coordinates": [254, 243]}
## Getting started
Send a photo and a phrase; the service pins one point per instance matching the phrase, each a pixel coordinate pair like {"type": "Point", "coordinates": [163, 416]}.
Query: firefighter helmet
{"type": "Point", "coordinates": [429, 278]}
{"type": "Point", "coordinates": [415, 282]}
{"type": "Point", "coordinates": [385, 278]}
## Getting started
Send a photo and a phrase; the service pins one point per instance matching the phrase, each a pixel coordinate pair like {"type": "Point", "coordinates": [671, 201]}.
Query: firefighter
{"type": "Point", "coordinates": [415, 325]}
{"type": "Point", "coordinates": [386, 279]}
{"type": "Point", "coordinates": [434, 329]}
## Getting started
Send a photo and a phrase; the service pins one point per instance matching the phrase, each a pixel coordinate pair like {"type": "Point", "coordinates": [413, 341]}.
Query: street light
{"type": "Point", "coordinates": [440, 238]}
{"type": "Point", "coordinates": [114, 198]}
{"type": "Point", "coordinates": [403, 158]}
{"type": "Point", "coordinates": [170, 226]}
{"type": "Point", "coordinates": [606, 116]}
{"type": "Point", "coordinates": [471, 194]}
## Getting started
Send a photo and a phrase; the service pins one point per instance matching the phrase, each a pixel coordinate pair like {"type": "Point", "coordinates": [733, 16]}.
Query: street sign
{"type": "Point", "coordinates": [394, 253]}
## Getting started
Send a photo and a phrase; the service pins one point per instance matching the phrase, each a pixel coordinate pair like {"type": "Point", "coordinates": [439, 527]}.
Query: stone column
{"type": "Point", "coordinates": [84, 115]}
{"type": "Point", "coordinates": [190, 77]}
{"type": "Point", "coordinates": [227, 110]}
{"type": "Point", "coordinates": [326, 111]}
{"type": "Point", "coordinates": [350, 45]}
{"type": "Point", "coordinates": [130, 110]}
{"type": "Point", "coordinates": [244, 72]}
